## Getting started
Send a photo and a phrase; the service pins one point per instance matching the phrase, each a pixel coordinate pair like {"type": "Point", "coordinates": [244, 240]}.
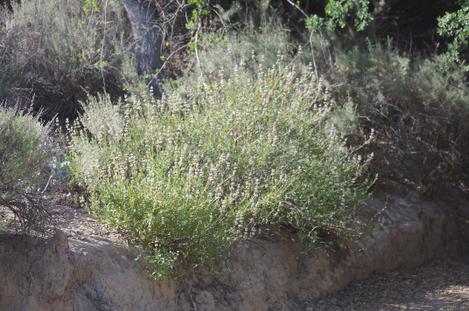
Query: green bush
{"type": "Point", "coordinates": [222, 53]}
{"type": "Point", "coordinates": [59, 51]}
{"type": "Point", "coordinates": [25, 152]}
{"type": "Point", "coordinates": [188, 175]}
{"type": "Point", "coordinates": [455, 26]}
{"type": "Point", "coordinates": [226, 52]}
{"type": "Point", "coordinates": [417, 107]}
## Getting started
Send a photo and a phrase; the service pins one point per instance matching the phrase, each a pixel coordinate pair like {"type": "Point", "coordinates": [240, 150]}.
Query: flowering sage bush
{"type": "Point", "coordinates": [190, 174]}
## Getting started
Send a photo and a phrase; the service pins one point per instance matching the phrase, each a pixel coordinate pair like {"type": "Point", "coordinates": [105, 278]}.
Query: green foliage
{"type": "Point", "coordinates": [223, 53]}
{"type": "Point", "coordinates": [25, 152]}
{"type": "Point", "coordinates": [381, 75]}
{"type": "Point", "coordinates": [199, 10]}
{"type": "Point", "coordinates": [418, 109]}
{"type": "Point", "coordinates": [456, 26]}
{"type": "Point", "coordinates": [187, 176]}
{"type": "Point", "coordinates": [90, 7]}
{"type": "Point", "coordinates": [339, 12]}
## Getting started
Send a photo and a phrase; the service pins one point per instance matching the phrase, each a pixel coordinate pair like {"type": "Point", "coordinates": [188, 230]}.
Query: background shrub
{"type": "Point", "coordinates": [249, 45]}
{"type": "Point", "coordinates": [187, 176]}
{"type": "Point", "coordinates": [222, 53]}
{"type": "Point", "coordinates": [59, 51]}
{"type": "Point", "coordinates": [417, 108]}
{"type": "Point", "coordinates": [25, 152]}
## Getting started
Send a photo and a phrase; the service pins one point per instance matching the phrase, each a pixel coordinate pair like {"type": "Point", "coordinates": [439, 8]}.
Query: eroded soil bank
{"type": "Point", "coordinates": [92, 272]}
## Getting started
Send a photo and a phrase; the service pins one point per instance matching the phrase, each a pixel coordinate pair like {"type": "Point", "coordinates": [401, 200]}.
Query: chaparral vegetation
{"type": "Point", "coordinates": [261, 117]}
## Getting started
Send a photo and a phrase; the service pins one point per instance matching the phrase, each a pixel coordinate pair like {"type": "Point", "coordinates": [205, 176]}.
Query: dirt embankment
{"type": "Point", "coordinates": [84, 269]}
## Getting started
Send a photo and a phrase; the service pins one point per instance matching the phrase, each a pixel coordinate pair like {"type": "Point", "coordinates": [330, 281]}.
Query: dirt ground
{"type": "Point", "coordinates": [441, 285]}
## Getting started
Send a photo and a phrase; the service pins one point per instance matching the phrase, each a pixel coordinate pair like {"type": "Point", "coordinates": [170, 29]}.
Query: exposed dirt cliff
{"type": "Point", "coordinates": [91, 272]}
